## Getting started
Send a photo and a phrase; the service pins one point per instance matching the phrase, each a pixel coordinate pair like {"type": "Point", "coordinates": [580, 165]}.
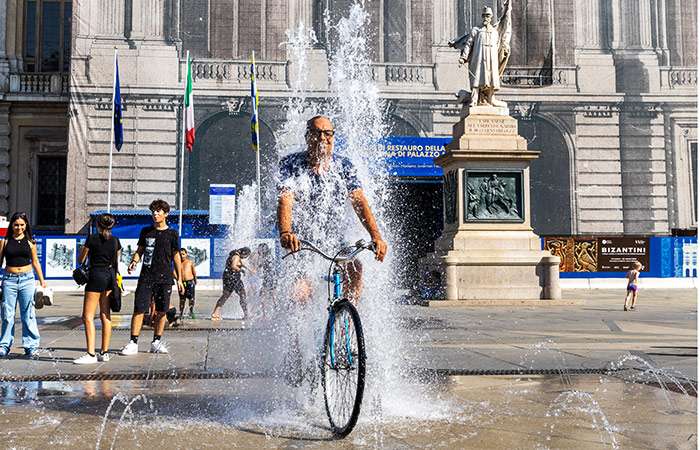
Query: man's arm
{"type": "Point", "coordinates": [285, 204]}
{"type": "Point", "coordinates": [364, 213]}
{"type": "Point", "coordinates": [178, 271]}
{"type": "Point", "coordinates": [135, 258]}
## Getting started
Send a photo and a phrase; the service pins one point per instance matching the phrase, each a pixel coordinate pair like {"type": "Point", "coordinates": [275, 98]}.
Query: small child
{"type": "Point", "coordinates": [632, 287]}
{"type": "Point", "coordinates": [189, 279]}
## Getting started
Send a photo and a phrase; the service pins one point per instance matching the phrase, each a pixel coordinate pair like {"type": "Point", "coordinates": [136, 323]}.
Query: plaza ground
{"type": "Point", "coordinates": [578, 376]}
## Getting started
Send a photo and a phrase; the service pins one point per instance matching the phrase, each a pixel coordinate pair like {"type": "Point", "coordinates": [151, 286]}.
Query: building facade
{"type": "Point", "coordinates": [604, 89]}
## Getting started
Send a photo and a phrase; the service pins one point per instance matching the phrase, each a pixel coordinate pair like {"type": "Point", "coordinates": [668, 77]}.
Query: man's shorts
{"type": "Point", "coordinates": [159, 292]}
{"type": "Point", "coordinates": [189, 289]}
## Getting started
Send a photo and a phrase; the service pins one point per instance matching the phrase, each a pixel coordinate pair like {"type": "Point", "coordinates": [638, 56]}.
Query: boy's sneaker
{"type": "Point", "coordinates": [86, 359]}
{"type": "Point", "coordinates": [129, 349]}
{"type": "Point", "coordinates": [158, 347]}
{"type": "Point", "coordinates": [3, 352]}
{"type": "Point", "coordinates": [31, 353]}
{"type": "Point", "coordinates": [103, 357]}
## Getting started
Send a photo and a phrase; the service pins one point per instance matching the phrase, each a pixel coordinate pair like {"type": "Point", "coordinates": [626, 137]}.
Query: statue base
{"type": "Point", "coordinates": [488, 249]}
{"type": "Point", "coordinates": [484, 110]}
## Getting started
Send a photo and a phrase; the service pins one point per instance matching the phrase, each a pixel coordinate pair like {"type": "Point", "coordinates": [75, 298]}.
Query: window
{"type": "Point", "coordinates": [395, 31]}
{"type": "Point", "coordinates": [51, 192]}
{"type": "Point", "coordinates": [47, 35]}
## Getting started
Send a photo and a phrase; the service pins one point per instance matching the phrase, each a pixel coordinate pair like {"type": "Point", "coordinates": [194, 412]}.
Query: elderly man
{"type": "Point", "coordinates": [486, 49]}
{"type": "Point", "coordinates": [313, 187]}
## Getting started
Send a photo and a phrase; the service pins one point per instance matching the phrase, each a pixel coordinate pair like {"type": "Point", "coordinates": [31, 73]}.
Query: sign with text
{"type": "Point", "coordinates": [410, 156]}
{"type": "Point", "coordinates": [222, 204]}
{"type": "Point", "coordinates": [617, 254]}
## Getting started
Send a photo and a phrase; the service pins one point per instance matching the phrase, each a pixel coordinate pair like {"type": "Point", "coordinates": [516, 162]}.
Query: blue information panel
{"type": "Point", "coordinates": [409, 156]}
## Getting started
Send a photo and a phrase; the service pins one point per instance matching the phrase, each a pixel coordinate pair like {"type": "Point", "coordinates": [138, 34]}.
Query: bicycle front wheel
{"type": "Point", "coordinates": [343, 367]}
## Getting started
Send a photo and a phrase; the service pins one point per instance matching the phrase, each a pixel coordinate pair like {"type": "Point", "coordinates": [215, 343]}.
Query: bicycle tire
{"type": "Point", "coordinates": [337, 359]}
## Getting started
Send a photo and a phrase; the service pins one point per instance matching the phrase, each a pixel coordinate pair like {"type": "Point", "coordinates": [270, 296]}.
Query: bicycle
{"type": "Point", "coordinates": [343, 358]}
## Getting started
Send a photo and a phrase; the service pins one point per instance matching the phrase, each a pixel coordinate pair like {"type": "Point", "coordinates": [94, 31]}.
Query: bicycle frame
{"type": "Point", "coordinates": [335, 277]}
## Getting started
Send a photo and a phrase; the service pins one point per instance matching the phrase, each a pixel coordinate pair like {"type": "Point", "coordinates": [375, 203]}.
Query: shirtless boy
{"type": "Point", "coordinates": [189, 279]}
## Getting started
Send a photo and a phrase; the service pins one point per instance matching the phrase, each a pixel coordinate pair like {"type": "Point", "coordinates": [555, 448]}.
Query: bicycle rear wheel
{"type": "Point", "coordinates": [343, 367]}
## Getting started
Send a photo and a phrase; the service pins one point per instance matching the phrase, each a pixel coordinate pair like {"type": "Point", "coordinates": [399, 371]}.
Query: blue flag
{"type": "Point", "coordinates": [254, 125]}
{"type": "Point", "coordinates": [117, 108]}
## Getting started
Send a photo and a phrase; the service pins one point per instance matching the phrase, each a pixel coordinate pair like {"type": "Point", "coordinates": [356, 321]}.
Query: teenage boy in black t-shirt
{"type": "Point", "coordinates": [158, 248]}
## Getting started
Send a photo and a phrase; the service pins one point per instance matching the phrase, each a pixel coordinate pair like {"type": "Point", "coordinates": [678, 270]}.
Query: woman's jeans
{"type": "Point", "coordinates": [19, 288]}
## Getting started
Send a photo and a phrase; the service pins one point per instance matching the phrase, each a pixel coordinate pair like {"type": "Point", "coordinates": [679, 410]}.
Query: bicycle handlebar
{"type": "Point", "coordinates": [338, 259]}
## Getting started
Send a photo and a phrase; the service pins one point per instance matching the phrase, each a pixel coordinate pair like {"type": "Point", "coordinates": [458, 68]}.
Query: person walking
{"type": "Point", "coordinates": [632, 285]}
{"type": "Point", "coordinates": [159, 247]}
{"type": "Point", "coordinates": [233, 282]}
{"type": "Point", "coordinates": [18, 286]}
{"type": "Point", "coordinates": [103, 251]}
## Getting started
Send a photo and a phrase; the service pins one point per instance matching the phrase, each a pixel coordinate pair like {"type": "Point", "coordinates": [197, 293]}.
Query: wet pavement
{"type": "Point", "coordinates": [613, 379]}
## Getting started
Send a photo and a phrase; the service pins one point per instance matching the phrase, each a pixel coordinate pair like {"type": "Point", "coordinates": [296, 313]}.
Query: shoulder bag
{"type": "Point", "coordinates": [81, 274]}
{"type": "Point", "coordinates": [115, 297]}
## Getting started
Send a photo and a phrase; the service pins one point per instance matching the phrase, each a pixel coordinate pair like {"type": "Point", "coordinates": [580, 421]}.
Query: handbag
{"type": "Point", "coordinates": [115, 297]}
{"type": "Point", "coordinates": [81, 274]}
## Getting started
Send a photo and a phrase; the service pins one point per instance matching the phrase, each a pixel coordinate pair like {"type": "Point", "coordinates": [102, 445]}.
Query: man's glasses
{"type": "Point", "coordinates": [318, 132]}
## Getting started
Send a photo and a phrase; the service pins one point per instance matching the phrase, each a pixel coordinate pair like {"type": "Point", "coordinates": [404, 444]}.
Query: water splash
{"type": "Point", "coordinates": [128, 403]}
{"type": "Point", "coordinates": [575, 401]}
{"type": "Point", "coordinates": [662, 376]}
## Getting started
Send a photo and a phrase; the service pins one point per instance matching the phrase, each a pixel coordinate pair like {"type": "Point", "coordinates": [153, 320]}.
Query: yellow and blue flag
{"type": "Point", "coordinates": [117, 108]}
{"type": "Point", "coordinates": [254, 125]}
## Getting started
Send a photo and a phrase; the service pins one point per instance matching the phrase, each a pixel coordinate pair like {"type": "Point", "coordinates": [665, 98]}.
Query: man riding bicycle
{"type": "Point", "coordinates": [312, 190]}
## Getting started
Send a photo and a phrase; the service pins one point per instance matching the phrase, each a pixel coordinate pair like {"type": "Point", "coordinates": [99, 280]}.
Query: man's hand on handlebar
{"type": "Point", "coordinates": [290, 241]}
{"type": "Point", "coordinates": [380, 248]}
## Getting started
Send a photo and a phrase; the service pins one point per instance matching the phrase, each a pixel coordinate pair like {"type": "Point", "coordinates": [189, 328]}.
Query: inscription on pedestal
{"type": "Point", "coordinates": [497, 127]}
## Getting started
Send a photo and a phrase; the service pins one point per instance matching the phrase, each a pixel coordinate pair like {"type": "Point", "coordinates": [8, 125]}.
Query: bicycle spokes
{"type": "Point", "coordinates": [343, 368]}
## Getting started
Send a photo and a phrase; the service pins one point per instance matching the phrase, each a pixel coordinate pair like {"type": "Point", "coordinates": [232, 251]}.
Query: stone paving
{"type": "Point", "coordinates": [444, 405]}
{"type": "Point", "coordinates": [662, 331]}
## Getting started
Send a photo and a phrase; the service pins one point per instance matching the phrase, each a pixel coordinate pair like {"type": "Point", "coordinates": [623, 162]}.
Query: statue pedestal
{"type": "Point", "coordinates": [488, 249]}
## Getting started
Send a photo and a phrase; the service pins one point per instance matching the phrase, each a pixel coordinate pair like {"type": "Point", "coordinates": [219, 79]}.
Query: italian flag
{"type": "Point", "coordinates": [189, 108]}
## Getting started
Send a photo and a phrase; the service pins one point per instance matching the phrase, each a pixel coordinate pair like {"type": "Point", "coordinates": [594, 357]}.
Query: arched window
{"type": "Point", "coordinates": [222, 154]}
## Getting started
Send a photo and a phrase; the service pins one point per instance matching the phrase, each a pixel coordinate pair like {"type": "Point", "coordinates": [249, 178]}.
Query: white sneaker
{"type": "Point", "coordinates": [129, 349]}
{"type": "Point", "coordinates": [158, 347]}
{"type": "Point", "coordinates": [103, 357]}
{"type": "Point", "coordinates": [86, 359]}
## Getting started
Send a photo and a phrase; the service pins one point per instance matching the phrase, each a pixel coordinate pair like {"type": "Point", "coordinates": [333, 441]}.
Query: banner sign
{"type": "Point", "coordinates": [598, 254]}
{"type": "Point", "coordinates": [618, 254]}
{"type": "Point", "coordinates": [409, 156]}
{"type": "Point", "coordinates": [222, 204]}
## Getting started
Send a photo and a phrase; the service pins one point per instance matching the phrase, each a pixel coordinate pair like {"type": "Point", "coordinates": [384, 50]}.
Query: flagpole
{"type": "Point", "coordinates": [111, 137]}
{"type": "Point", "coordinates": [182, 146]}
{"type": "Point", "coordinates": [257, 153]}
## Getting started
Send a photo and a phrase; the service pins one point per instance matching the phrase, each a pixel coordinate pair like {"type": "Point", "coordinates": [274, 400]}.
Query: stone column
{"type": "Point", "coordinates": [444, 21]}
{"type": "Point", "coordinates": [663, 34]}
{"type": "Point", "coordinates": [4, 64]}
{"type": "Point", "coordinates": [447, 76]}
{"type": "Point", "coordinates": [301, 13]}
{"type": "Point", "coordinates": [4, 158]}
{"type": "Point", "coordinates": [636, 62]}
{"type": "Point", "coordinates": [11, 35]}
{"type": "Point", "coordinates": [597, 70]}
{"type": "Point", "coordinates": [147, 20]}
{"type": "Point", "coordinates": [108, 15]}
